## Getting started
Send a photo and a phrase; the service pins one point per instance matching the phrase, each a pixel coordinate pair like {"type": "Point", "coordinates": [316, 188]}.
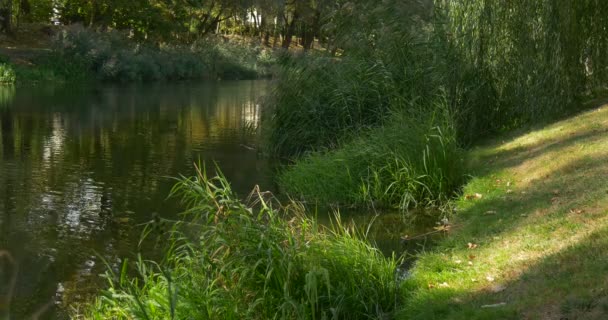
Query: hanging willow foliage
{"type": "Point", "coordinates": [532, 59]}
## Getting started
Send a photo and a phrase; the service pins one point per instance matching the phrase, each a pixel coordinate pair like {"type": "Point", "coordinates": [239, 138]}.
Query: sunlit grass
{"type": "Point", "coordinates": [536, 237]}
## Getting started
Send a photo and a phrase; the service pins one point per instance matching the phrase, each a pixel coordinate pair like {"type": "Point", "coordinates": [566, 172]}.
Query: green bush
{"type": "Point", "coordinates": [258, 261]}
{"type": "Point", "coordinates": [111, 56]}
{"type": "Point", "coordinates": [7, 73]}
{"type": "Point", "coordinates": [412, 160]}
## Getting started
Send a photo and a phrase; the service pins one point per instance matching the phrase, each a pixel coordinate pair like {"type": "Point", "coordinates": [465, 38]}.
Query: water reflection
{"type": "Point", "coordinates": [80, 168]}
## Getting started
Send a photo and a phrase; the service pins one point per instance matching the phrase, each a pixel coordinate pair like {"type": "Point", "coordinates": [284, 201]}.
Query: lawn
{"type": "Point", "coordinates": [530, 236]}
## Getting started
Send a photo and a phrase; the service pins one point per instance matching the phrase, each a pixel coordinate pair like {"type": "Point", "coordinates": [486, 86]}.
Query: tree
{"type": "Point", "coordinates": [6, 13]}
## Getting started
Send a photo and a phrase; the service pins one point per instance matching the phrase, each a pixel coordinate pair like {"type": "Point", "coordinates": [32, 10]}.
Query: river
{"type": "Point", "coordinates": [82, 169]}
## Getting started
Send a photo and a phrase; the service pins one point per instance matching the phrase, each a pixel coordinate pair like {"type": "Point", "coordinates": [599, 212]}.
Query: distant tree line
{"type": "Point", "coordinates": [276, 22]}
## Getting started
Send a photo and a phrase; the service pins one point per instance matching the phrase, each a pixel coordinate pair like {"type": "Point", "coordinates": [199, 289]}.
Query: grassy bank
{"type": "Point", "coordinates": [528, 241]}
{"type": "Point", "coordinates": [336, 107]}
{"type": "Point", "coordinates": [531, 233]}
{"type": "Point", "coordinates": [252, 261]}
{"type": "Point", "coordinates": [413, 160]}
{"type": "Point", "coordinates": [78, 54]}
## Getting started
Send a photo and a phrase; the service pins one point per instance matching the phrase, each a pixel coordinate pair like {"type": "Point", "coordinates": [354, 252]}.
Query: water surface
{"type": "Point", "coordinates": [81, 169]}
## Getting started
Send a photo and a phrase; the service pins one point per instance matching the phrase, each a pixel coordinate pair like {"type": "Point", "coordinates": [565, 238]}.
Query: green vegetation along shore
{"type": "Point", "coordinates": [78, 54]}
{"type": "Point", "coordinates": [528, 241]}
{"type": "Point", "coordinates": [398, 109]}
{"type": "Point", "coordinates": [384, 122]}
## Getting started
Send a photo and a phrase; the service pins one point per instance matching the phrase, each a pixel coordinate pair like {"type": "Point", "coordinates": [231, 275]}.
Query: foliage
{"type": "Point", "coordinates": [412, 160]}
{"type": "Point", "coordinates": [532, 60]}
{"type": "Point", "coordinates": [318, 101]}
{"type": "Point", "coordinates": [112, 57]}
{"type": "Point", "coordinates": [7, 73]}
{"type": "Point", "coordinates": [498, 66]}
{"type": "Point", "coordinates": [257, 262]}
{"type": "Point", "coordinates": [532, 230]}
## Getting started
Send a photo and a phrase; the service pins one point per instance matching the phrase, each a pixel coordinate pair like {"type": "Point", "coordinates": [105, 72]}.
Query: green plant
{"type": "Point", "coordinates": [256, 261]}
{"type": "Point", "coordinates": [413, 160]}
{"type": "Point", "coordinates": [7, 73]}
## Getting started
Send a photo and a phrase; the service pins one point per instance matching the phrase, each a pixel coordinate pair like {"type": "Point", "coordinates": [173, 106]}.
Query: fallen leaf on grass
{"type": "Point", "coordinates": [471, 245]}
{"type": "Point", "coordinates": [444, 228]}
{"type": "Point", "coordinates": [555, 192]}
{"type": "Point", "coordinates": [473, 196]}
{"type": "Point", "coordinates": [471, 257]}
{"type": "Point", "coordinates": [431, 286]}
{"type": "Point", "coordinates": [577, 211]}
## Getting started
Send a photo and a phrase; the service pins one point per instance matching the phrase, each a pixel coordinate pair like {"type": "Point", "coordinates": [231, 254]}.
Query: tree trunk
{"type": "Point", "coordinates": [290, 30]}
{"type": "Point", "coordinates": [94, 13]}
{"type": "Point", "coordinates": [6, 13]}
{"type": "Point", "coordinates": [310, 33]}
{"type": "Point", "coordinates": [276, 38]}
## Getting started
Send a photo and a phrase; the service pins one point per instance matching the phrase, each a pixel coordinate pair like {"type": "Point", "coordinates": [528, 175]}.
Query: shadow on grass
{"type": "Point", "coordinates": [547, 237]}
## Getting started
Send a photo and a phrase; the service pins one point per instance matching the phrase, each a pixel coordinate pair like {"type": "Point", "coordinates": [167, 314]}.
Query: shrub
{"type": "Point", "coordinates": [111, 56]}
{"type": "Point", "coordinates": [260, 261]}
{"type": "Point", "coordinates": [7, 73]}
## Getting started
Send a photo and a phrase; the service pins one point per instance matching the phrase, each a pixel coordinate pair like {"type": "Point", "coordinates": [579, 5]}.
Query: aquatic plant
{"type": "Point", "coordinates": [259, 260]}
{"type": "Point", "coordinates": [413, 160]}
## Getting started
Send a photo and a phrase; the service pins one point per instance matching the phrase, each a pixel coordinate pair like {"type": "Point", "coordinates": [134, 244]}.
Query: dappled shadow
{"type": "Point", "coordinates": [569, 284]}
{"type": "Point", "coordinates": [546, 203]}
{"type": "Point", "coordinates": [584, 129]}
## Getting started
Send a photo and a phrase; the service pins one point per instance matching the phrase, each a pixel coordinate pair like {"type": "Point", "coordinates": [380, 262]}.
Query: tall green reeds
{"type": "Point", "coordinates": [414, 159]}
{"type": "Point", "coordinates": [257, 261]}
{"type": "Point", "coordinates": [497, 66]}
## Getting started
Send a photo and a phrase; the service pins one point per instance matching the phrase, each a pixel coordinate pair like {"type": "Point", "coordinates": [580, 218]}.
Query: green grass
{"type": "Point", "coordinates": [257, 261]}
{"type": "Point", "coordinates": [414, 160]}
{"type": "Point", "coordinates": [536, 218]}
{"type": "Point", "coordinates": [529, 241]}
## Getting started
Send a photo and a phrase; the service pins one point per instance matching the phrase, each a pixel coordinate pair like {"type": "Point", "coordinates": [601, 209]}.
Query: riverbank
{"type": "Point", "coordinates": [530, 237]}
{"type": "Point", "coordinates": [528, 241]}
{"type": "Point", "coordinates": [73, 53]}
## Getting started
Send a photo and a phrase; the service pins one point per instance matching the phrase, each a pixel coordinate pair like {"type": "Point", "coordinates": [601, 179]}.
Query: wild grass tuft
{"type": "Point", "coordinates": [413, 160]}
{"type": "Point", "coordinates": [257, 261]}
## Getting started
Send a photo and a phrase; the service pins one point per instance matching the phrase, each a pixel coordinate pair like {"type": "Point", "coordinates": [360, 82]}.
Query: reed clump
{"type": "Point", "coordinates": [252, 261]}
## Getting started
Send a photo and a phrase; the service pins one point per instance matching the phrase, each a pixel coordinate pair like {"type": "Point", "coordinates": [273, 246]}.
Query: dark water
{"type": "Point", "coordinates": [82, 168]}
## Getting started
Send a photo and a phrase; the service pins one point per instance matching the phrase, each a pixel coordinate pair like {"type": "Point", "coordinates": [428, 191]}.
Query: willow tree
{"type": "Point", "coordinates": [523, 61]}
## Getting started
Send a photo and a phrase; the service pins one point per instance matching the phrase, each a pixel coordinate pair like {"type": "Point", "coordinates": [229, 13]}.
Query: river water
{"type": "Point", "coordinates": [83, 168]}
